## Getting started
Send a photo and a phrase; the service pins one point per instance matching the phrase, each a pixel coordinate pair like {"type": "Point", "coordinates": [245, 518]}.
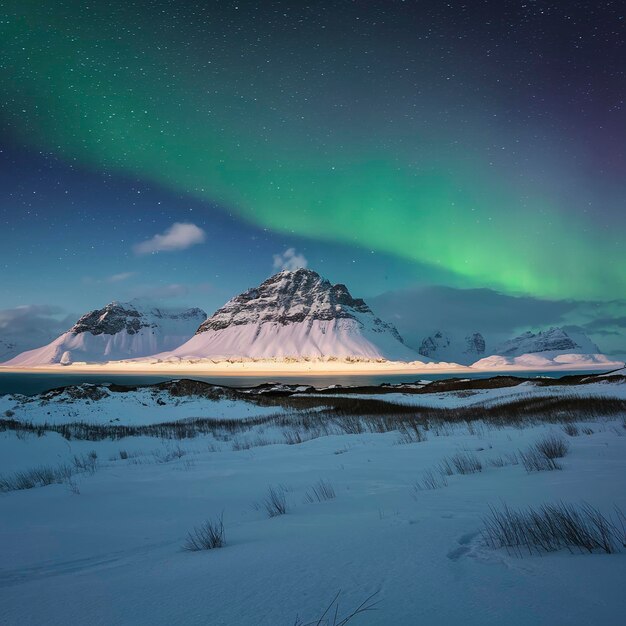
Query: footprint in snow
{"type": "Point", "coordinates": [468, 545]}
{"type": "Point", "coordinates": [457, 553]}
{"type": "Point", "coordinates": [463, 547]}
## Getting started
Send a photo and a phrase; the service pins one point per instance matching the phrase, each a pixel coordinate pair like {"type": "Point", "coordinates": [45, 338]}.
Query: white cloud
{"type": "Point", "coordinates": [30, 326]}
{"type": "Point", "coordinates": [159, 292]}
{"type": "Point", "coordinates": [289, 260]}
{"type": "Point", "coordinates": [118, 278]}
{"type": "Point", "coordinates": [179, 236]}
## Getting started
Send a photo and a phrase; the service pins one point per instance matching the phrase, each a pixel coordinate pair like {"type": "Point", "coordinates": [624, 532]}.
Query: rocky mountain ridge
{"type": "Point", "coordinates": [291, 297]}
{"type": "Point", "coordinates": [295, 314]}
{"type": "Point", "coordinates": [116, 317]}
{"type": "Point", "coordinates": [441, 346]}
{"type": "Point", "coordinates": [552, 340]}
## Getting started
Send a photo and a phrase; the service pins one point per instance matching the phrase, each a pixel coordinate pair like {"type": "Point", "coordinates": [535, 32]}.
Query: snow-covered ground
{"type": "Point", "coordinates": [98, 404]}
{"type": "Point", "coordinates": [107, 549]}
{"type": "Point", "coordinates": [144, 406]}
{"type": "Point", "coordinates": [466, 398]}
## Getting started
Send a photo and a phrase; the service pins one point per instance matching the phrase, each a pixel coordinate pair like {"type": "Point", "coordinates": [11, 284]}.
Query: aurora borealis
{"type": "Point", "coordinates": [474, 145]}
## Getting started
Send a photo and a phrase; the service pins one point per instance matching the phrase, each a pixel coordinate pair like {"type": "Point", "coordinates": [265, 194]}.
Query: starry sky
{"type": "Point", "coordinates": [182, 151]}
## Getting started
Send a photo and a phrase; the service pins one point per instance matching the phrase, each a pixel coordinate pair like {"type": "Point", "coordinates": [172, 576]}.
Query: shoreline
{"type": "Point", "coordinates": [256, 369]}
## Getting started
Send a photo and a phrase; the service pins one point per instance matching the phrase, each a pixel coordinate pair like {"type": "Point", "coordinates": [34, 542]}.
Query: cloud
{"type": "Point", "coordinates": [160, 292]}
{"type": "Point", "coordinates": [289, 260]}
{"type": "Point", "coordinates": [416, 312]}
{"type": "Point", "coordinates": [26, 316]}
{"type": "Point", "coordinates": [432, 307]}
{"type": "Point", "coordinates": [179, 236]}
{"type": "Point", "coordinates": [603, 322]}
{"type": "Point", "coordinates": [33, 325]}
{"type": "Point", "coordinates": [154, 293]}
{"type": "Point", "coordinates": [112, 278]}
{"type": "Point", "coordinates": [118, 278]}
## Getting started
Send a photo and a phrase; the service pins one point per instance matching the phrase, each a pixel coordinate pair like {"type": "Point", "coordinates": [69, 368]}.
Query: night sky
{"type": "Point", "coordinates": [181, 151]}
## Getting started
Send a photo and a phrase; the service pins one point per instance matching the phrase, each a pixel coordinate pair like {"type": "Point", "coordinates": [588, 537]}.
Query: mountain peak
{"type": "Point", "coordinates": [290, 296]}
{"type": "Point", "coordinates": [297, 270]}
{"type": "Point", "coordinates": [443, 346]}
{"type": "Point", "coordinates": [110, 319]}
{"type": "Point", "coordinates": [131, 317]}
{"type": "Point", "coordinates": [554, 339]}
{"type": "Point", "coordinates": [119, 330]}
{"type": "Point", "coordinates": [295, 314]}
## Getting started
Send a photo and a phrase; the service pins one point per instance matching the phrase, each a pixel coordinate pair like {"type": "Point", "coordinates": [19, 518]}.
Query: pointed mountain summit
{"type": "Point", "coordinates": [120, 330]}
{"type": "Point", "coordinates": [295, 314]}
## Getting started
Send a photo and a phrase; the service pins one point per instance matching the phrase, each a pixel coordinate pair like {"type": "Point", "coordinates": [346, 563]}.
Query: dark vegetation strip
{"type": "Point", "coordinates": [333, 415]}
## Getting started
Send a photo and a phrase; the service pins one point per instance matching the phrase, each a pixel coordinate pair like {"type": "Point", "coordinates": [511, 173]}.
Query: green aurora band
{"type": "Point", "coordinates": [97, 88]}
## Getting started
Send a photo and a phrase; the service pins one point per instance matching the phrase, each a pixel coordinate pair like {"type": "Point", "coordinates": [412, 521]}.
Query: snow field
{"type": "Point", "coordinates": [457, 399]}
{"type": "Point", "coordinates": [113, 553]}
{"type": "Point", "coordinates": [140, 407]}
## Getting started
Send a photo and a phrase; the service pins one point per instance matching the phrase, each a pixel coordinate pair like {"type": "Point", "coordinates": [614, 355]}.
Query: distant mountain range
{"type": "Point", "coordinates": [442, 346]}
{"type": "Point", "coordinates": [551, 340]}
{"type": "Point", "coordinates": [467, 349]}
{"type": "Point", "coordinates": [295, 314]}
{"type": "Point", "coordinates": [7, 349]}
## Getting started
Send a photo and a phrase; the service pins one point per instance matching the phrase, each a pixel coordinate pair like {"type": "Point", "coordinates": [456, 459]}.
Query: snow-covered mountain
{"type": "Point", "coordinates": [117, 331]}
{"type": "Point", "coordinates": [8, 349]}
{"type": "Point", "coordinates": [547, 361]}
{"type": "Point", "coordinates": [295, 314]}
{"type": "Point", "coordinates": [442, 346]}
{"type": "Point", "coordinates": [546, 350]}
{"type": "Point", "coordinates": [551, 340]}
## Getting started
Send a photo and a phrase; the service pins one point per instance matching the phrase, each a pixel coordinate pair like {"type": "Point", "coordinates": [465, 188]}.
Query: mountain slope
{"type": "Point", "coordinates": [7, 349]}
{"type": "Point", "coordinates": [442, 346]}
{"type": "Point", "coordinates": [552, 340]}
{"type": "Point", "coordinates": [546, 350]}
{"type": "Point", "coordinates": [117, 331]}
{"type": "Point", "coordinates": [295, 314]}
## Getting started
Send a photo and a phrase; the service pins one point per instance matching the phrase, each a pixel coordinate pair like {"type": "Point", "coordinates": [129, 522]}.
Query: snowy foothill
{"type": "Point", "coordinates": [488, 397]}
{"type": "Point", "coordinates": [545, 361]}
{"type": "Point", "coordinates": [380, 495]}
{"type": "Point", "coordinates": [102, 404]}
